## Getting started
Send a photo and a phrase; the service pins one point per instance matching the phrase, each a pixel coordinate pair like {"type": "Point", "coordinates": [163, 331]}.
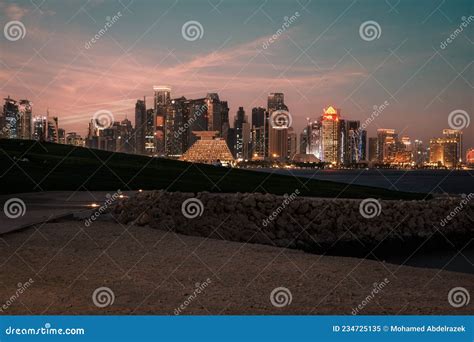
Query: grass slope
{"type": "Point", "coordinates": [53, 167]}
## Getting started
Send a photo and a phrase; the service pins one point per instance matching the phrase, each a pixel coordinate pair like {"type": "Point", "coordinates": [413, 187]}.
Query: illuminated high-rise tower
{"type": "Point", "coordinates": [156, 126]}
{"type": "Point", "coordinates": [10, 120]}
{"type": "Point", "coordinates": [277, 134]}
{"type": "Point", "coordinates": [161, 96]}
{"type": "Point", "coordinates": [330, 136]}
{"type": "Point", "coordinates": [25, 119]}
{"type": "Point", "coordinates": [386, 144]}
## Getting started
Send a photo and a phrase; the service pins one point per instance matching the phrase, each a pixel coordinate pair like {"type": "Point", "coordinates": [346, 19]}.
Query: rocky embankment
{"type": "Point", "coordinates": [334, 226]}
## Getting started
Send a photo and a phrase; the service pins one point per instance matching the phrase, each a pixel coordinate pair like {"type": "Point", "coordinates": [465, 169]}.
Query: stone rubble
{"type": "Point", "coordinates": [312, 224]}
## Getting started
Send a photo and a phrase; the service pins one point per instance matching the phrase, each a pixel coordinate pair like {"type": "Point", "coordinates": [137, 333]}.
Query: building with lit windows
{"type": "Point", "coordinates": [330, 136]}
{"type": "Point", "coordinates": [208, 149]}
{"type": "Point", "coordinates": [10, 119]}
{"type": "Point", "coordinates": [25, 119]}
{"type": "Point", "coordinates": [277, 136]}
{"type": "Point", "coordinates": [39, 128]}
{"type": "Point", "coordinates": [470, 156]}
{"type": "Point", "coordinates": [386, 145]}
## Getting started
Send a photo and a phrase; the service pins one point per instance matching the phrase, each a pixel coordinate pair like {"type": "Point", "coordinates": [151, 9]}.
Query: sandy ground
{"type": "Point", "coordinates": [155, 272]}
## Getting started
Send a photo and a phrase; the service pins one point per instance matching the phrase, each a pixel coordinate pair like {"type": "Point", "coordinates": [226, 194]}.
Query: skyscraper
{"type": "Point", "coordinates": [156, 120]}
{"type": "Point", "coordinates": [386, 144]}
{"type": "Point", "coordinates": [10, 120]}
{"type": "Point", "coordinates": [52, 133]}
{"type": "Point", "coordinates": [197, 120]}
{"type": "Point", "coordinates": [140, 126]}
{"type": "Point", "coordinates": [373, 150]}
{"type": "Point", "coordinates": [354, 143]}
{"type": "Point", "coordinates": [419, 154]}
{"type": "Point", "coordinates": [446, 151]}
{"type": "Point", "coordinates": [25, 118]}
{"type": "Point", "coordinates": [276, 101]}
{"type": "Point", "coordinates": [39, 128]}
{"type": "Point", "coordinates": [154, 137]}
{"type": "Point", "coordinates": [470, 156]}
{"type": "Point", "coordinates": [242, 135]}
{"type": "Point", "coordinates": [304, 140]}
{"type": "Point", "coordinates": [456, 136]}
{"type": "Point", "coordinates": [161, 96]}
{"type": "Point", "coordinates": [331, 137]}
{"type": "Point", "coordinates": [258, 117]}
{"type": "Point", "coordinates": [313, 140]}
{"type": "Point", "coordinates": [277, 134]}
{"type": "Point", "coordinates": [258, 143]}
{"type": "Point", "coordinates": [176, 127]}
{"type": "Point", "coordinates": [292, 144]}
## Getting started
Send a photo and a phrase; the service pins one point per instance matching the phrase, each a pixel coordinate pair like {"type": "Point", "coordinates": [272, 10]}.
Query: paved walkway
{"type": "Point", "coordinates": [41, 207]}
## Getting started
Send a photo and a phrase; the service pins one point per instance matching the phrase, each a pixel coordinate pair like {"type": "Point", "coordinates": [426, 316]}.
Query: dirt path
{"type": "Point", "coordinates": [155, 272]}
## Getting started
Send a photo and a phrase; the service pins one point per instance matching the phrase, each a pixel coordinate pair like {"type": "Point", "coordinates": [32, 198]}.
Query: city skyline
{"type": "Point", "coordinates": [319, 59]}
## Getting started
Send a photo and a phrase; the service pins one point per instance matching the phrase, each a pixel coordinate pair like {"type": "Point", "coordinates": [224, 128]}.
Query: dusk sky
{"type": "Point", "coordinates": [320, 60]}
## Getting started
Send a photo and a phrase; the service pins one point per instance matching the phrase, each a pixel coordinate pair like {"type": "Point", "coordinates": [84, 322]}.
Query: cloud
{"type": "Point", "coordinates": [14, 11]}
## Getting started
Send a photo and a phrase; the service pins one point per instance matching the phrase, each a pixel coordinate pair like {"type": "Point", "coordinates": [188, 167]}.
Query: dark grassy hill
{"type": "Point", "coordinates": [27, 166]}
